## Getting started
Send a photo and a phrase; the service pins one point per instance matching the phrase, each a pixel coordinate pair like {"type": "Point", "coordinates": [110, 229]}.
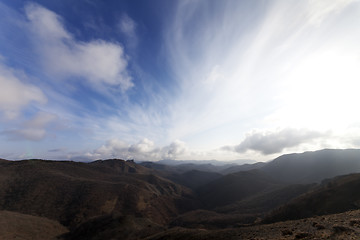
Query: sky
{"type": "Point", "coordinates": [245, 80]}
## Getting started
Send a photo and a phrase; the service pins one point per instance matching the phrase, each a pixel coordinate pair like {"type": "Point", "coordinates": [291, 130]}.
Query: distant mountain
{"type": "Point", "coordinates": [335, 195]}
{"type": "Point", "coordinates": [195, 178]}
{"type": "Point", "coordinates": [310, 167]}
{"type": "Point", "coordinates": [200, 162]}
{"type": "Point", "coordinates": [180, 174]}
{"type": "Point", "coordinates": [159, 166]}
{"type": "Point", "coordinates": [243, 167]}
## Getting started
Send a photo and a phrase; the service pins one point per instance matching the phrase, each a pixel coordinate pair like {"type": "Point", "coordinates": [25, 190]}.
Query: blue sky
{"type": "Point", "coordinates": [152, 80]}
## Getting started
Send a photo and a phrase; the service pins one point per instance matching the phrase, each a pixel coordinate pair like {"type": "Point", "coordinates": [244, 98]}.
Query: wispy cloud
{"type": "Point", "coordinates": [128, 27]}
{"type": "Point", "coordinates": [232, 66]}
{"type": "Point", "coordinates": [15, 93]}
{"type": "Point", "coordinates": [216, 70]}
{"type": "Point", "coordinates": [34, 129]}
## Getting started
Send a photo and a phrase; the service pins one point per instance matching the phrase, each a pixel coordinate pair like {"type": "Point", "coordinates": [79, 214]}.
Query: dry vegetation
{"type": "Point", "coordinates": [21, 226]}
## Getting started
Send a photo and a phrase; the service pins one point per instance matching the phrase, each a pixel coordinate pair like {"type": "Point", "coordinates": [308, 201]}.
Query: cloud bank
{"type": "Point", "coordinates": [144, 150]}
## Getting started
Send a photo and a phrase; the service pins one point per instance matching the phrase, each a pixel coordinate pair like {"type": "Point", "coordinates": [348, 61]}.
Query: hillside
{"type": "Point", "coordinates": [235, 187]}
{"type": "Point", "coordinates": [333, 196]}
{"type": "Point", "coordinates": [337, 226]}
{"type": "Point", "coordinates": [114, 227]}
{"type": "Point", "coordinates": [72, 192]}
{"type": "Point", "coordinates": [195, 178]}
{"type": "Point", "coordinates": [265, 201]}
{"type": "Point", "coordinates": [21, 226]}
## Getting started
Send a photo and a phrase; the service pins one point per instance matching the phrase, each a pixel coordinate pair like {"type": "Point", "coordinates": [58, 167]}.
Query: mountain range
{"type": "Point", "coordinates": [117, 199]}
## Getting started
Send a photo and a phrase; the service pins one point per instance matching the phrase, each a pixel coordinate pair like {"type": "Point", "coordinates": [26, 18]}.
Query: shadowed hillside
{"type": "Point", "coordinates": [235, 187]}
{"type": "Point", "coordinates": [263, 202]}
{"type": "Point", "coordinates": [333, 196]}
{"type": "Point", "coordinates": [195, 178]}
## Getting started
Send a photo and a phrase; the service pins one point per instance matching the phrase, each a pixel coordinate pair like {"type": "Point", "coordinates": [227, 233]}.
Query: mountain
{"type": "Point", "coordinates": [310, 167]}
{"type": "Point", "coordinates": [160, 167]}
{"type": "Point", "coordinates": [235, 187]}
{"type": "Point", "coordinates": [73, 192]}
{"type": "Point", "coordinates": [117, 199]}
{"type": "Point", "coordinates": [199, 162]}
{"type": "Point", "coordinates": [243, 167]}
{"type": "Point", "coordinates": [192, 178]}
{"type": "Point", "coordinates": [336, 195]}
{"type": "Point", "coordinates": [195, 178]}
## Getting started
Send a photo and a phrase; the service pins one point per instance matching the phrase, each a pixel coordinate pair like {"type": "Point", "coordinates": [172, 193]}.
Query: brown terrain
{"type": "Point", "coordinates": [337, 226]}
{"type": "Point", "coordinates": [117, 199]}
{"type": "Point", "coordinates": [15, 225]}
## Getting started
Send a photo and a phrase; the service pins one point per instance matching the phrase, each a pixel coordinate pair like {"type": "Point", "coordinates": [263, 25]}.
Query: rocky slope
{"type": "Point", "coordinates": [337, 226]}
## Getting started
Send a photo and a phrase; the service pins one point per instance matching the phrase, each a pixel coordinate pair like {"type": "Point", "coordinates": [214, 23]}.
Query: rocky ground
{"type": "Point", "coordinates": [337, 226]}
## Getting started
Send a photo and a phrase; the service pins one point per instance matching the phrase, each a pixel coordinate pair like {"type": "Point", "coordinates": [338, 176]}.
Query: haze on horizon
{"type": "Point", "coordinates": [182, 80]}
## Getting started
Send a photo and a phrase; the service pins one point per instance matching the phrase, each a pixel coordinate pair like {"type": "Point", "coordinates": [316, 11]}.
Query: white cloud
{"type": "Point", "coordinates": [145, 150]}
{"type": "Point", "coordinates": [143, 146]}
{"type": "Point", "coordinates": [98, 61]}
{"type": "Point", "coordinates": [15, 94]}
{"type": "Point", "coordinates": [175, 149]}
{"type": "Point", "coordinates": [270, 142]}
{"type": "Point", "coordinates": [34, 129]}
